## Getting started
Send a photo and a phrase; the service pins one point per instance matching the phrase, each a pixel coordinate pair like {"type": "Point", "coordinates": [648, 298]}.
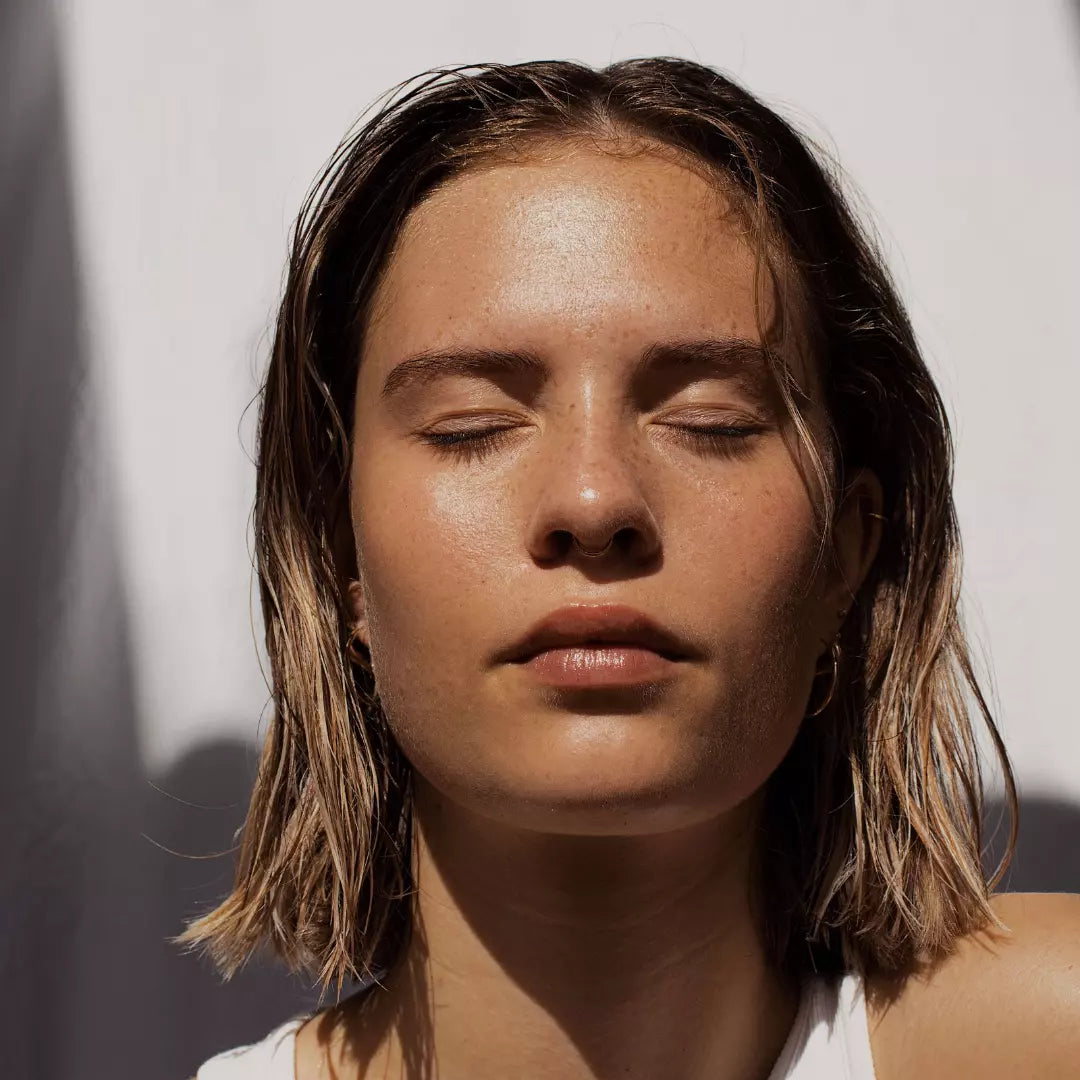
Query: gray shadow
{"type": "Point", "coordinates": [191, 817]}
{"type": "Point", "coordinates": [1047, 855]}
{"type": "Point", "coordinates": [90, 986]}
{"type": "Point", "coordinates": [66, 718]}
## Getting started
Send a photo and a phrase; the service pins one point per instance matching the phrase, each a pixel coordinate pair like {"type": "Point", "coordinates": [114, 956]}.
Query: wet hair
{"type": "Point", "coordinates": [869, 854]}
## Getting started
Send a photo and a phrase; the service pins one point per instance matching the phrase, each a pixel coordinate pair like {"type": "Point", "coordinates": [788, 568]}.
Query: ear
{"type": "Point", "coordinates": [348, 575]}
{"type": "Point", "coordinates": [354, 602]}
{"type": "Point", "coordinates": [856, 538]}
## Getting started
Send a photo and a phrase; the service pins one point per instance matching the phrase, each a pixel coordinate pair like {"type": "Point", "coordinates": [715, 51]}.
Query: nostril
{"type": "Point", "coordinates": [598, 544]}
{"type": "Point", "coordinates": [563, 541]}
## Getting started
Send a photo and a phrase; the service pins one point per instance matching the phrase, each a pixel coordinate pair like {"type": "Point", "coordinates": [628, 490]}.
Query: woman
{"type": "Point", "coordinates": [624, 718]}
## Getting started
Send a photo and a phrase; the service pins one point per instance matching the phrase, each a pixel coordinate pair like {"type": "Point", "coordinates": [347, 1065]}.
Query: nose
{"type": "Point", "coordinates": [590, 499]}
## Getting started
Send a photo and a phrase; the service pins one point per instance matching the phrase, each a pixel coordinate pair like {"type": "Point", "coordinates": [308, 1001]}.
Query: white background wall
{"type": "Point", "coordinates": [196, 128]}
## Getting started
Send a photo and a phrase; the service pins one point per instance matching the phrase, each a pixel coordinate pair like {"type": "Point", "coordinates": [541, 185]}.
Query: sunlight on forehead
{"type": "Point", "coordinates": [590, 241]}
{"type": "Point", "coordinates": [576, 251]}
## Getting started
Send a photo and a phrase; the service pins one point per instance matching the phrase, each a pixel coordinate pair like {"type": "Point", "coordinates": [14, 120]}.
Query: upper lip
{"type": "Point", "coordinates": [591, 624]}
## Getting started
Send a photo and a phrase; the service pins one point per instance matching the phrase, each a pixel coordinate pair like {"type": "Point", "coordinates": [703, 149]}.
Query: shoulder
{"type": "Point", "coordinates": [1004, 1003]}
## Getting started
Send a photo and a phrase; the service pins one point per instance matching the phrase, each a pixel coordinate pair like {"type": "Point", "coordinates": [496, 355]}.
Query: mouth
{"type": "Point", "coordinates": [599, 645]}
{"type": "Point", "coordinates": [599, 665]}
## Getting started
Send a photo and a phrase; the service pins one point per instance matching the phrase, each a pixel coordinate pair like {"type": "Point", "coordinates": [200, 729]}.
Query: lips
{"type": "Point", "coordinates": [596, 625]}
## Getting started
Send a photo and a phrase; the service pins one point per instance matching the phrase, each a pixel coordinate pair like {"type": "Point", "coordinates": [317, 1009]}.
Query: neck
{"type": "Point", "coordinates": [577, 956]}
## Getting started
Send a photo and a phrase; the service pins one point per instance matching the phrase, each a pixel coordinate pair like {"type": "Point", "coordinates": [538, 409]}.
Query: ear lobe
{"type": "Point", "coordinates": [856, 536]}
{"type": "Point", "coordinates": [354, 599]}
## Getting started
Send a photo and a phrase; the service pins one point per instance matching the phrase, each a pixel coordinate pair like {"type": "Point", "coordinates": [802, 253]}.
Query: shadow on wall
{"type": "Point", "coordinates": [191, 815]}
{"type": "Point", "coordinates": [90, 988]}
{"type": "Point", "coordinates": [1047, 855]}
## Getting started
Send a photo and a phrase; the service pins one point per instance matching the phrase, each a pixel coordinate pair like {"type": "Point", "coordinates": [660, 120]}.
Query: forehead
{"type": "Point", "coordinates": [572, 245]}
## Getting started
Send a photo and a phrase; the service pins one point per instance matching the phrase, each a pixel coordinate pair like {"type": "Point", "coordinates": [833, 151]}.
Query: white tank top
{"type": "Point", "coordinates": [829, 1040]}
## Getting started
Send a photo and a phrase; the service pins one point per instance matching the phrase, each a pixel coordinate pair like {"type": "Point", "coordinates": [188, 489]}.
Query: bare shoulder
{"type": "Point", "coordinates": [1005, 1003]}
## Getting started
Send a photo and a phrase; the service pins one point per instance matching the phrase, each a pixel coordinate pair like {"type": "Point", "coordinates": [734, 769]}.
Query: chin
{"type": "Point", "coordinates": [597, 776]}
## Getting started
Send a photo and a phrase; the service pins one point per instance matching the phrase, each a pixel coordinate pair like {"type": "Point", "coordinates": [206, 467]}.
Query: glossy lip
{"type": "Point", "coordinates": [600, 666]}
{"type": "Point", "coordinates": [584, 625]}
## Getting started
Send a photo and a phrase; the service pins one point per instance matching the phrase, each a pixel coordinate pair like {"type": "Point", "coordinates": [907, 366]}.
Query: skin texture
{"type": "Point", "coordinates": [583, 859]}
{"type": "Point", "coordinates": [586, 260]}
{"type": "Point", "coordinates": [1005, 1004]}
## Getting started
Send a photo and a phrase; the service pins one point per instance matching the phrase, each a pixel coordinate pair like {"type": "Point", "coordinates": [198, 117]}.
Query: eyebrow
{"type": "Point", "coordinates": [725, 357]}
{"type": "Point", "coordinates": [426, 367]}
{"type": "Point", "coordinates": [719, 356]}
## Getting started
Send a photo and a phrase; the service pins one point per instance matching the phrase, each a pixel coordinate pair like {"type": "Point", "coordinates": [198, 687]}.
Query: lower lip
{"type": "Point", "coordinates": [599, 665]}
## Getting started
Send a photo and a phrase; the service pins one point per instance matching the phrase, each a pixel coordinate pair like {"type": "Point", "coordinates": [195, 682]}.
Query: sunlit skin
{"type": "Point", "coordinates": [585, 261]}
{"type": "Point", "coordinates": [583, 857]}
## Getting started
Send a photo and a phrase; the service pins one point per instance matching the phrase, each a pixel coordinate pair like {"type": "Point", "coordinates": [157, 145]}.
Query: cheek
{"type": "Point", "coordinates": [428, 551]}
{"type": "Point", "coordinates": [755, 546]}
{"type": "Point", "coordinates": [753, 562]}
{"type": "Point", "coordinates": [429, 545]}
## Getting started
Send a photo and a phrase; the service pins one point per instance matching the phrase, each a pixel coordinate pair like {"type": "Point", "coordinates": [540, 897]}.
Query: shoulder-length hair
{"type": "Point", "coordinates": [870, 845]}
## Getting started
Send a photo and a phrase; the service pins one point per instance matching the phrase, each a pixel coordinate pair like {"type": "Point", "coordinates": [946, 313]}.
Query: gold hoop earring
{"type": "Point", "coordinates": [837, 655]}
{"type": "Point", "coordinates": [353, 652]}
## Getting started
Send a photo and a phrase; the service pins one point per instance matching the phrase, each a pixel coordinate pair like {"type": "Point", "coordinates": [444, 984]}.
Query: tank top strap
{"type": "Point", "coordinates": [272, 1058]}
{"type": "Point", "coordinates": [830, 1039]}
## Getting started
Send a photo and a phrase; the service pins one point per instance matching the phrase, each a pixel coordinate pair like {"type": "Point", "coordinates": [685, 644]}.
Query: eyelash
{"type": "Point", "coordinates": [726, 440]}
{"type": "Point", "coordinates": [473, 445]}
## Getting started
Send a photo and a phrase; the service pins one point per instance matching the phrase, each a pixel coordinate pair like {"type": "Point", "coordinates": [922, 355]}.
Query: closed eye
{"type": "Point", "coordinates": [726, 440]}
{"type": "Point", "coordinates": [476, 443]}
{"type": "Point", "coordinates": [468, 444]}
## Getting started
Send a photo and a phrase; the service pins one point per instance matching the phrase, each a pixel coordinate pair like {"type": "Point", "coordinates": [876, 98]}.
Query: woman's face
{"type": "Point", "coordinates": [592, 316]}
